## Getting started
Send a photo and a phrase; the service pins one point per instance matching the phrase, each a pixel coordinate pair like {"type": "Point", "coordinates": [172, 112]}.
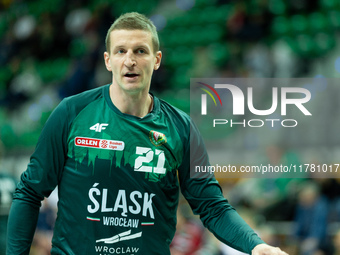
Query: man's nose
{"type": "Point", "coordinates": [130, 59]}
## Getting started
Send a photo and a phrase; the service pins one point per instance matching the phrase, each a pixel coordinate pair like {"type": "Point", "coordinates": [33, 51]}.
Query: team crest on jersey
{"type": "Point", "coordinates": [157, 138]}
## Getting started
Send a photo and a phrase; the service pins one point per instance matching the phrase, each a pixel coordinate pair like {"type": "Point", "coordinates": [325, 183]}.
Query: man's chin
{"type": "Point", "coordinates": [134, 88]}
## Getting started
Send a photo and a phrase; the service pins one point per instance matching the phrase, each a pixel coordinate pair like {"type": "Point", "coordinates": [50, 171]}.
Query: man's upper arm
{"type": "Point", "coordinates": [205, 197]}
{"type": "Point", "coordinates": [38, 181]}
{"type": "Point", "coordinates": [46, 163]}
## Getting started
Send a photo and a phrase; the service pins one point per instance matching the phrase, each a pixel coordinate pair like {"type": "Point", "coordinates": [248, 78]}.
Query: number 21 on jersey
{"type": "Point", "coordinates": [146, 156]}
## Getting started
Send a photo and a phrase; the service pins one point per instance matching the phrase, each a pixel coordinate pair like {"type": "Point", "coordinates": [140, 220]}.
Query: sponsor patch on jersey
{"type": "Point", "coordinates": [99, 143]}
{"type": "Point", "coordinates": [157, 138]}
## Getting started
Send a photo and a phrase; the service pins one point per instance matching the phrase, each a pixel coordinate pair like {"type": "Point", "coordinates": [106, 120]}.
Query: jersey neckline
{"type": "Point", "coordinates": [150, 115]}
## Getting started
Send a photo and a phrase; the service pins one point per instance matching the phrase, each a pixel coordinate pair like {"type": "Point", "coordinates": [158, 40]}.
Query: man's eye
{"type": "Point", "coordinates": [141, 51]}
{"type": "Point", "coordinates": [120, 51]}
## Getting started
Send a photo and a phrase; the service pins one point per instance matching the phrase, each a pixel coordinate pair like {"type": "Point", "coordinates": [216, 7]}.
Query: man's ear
{"type": "Point", "coordinates": [107, 61]}
{"type": "Point", "coordinates": [158, 60]}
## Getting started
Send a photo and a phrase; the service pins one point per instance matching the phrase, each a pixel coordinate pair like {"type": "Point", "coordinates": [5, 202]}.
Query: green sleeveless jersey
{"type": "Point", "coordinates": [118, 179]}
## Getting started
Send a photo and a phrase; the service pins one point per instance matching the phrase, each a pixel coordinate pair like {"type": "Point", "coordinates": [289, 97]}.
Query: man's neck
{"type": "Point", "coordinates": [139, 104]}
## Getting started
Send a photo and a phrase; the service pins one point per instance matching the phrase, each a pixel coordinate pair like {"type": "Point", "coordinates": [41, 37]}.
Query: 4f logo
{"type": "Point", "coordinates": [99, 127]}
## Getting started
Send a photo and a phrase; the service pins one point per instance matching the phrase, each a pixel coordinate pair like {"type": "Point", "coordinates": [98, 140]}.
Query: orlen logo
{"type": "Point", "coordinates": [99, 143]}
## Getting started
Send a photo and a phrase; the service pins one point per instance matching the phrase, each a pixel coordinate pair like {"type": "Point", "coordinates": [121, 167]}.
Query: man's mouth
{"type": "Point", "coordinates": [131, 75]}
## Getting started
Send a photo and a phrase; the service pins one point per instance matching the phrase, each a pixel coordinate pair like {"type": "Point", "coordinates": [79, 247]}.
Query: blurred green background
{"type": "Point", "coordinates": [53, 49]}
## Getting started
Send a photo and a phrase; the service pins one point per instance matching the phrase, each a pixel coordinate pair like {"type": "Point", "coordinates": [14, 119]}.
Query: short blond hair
{"type": "Point", "coordinates": [133, 21]}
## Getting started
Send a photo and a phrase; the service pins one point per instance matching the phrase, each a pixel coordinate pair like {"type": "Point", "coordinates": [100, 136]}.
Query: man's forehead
{"type": "Point", "coordinates": [130, 36]}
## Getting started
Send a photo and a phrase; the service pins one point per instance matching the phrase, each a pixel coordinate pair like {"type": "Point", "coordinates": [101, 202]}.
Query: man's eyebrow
{"type": "Point", "coordinates": [135, 46]}
{"type": "Point", "coordinates": [119, 46]}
